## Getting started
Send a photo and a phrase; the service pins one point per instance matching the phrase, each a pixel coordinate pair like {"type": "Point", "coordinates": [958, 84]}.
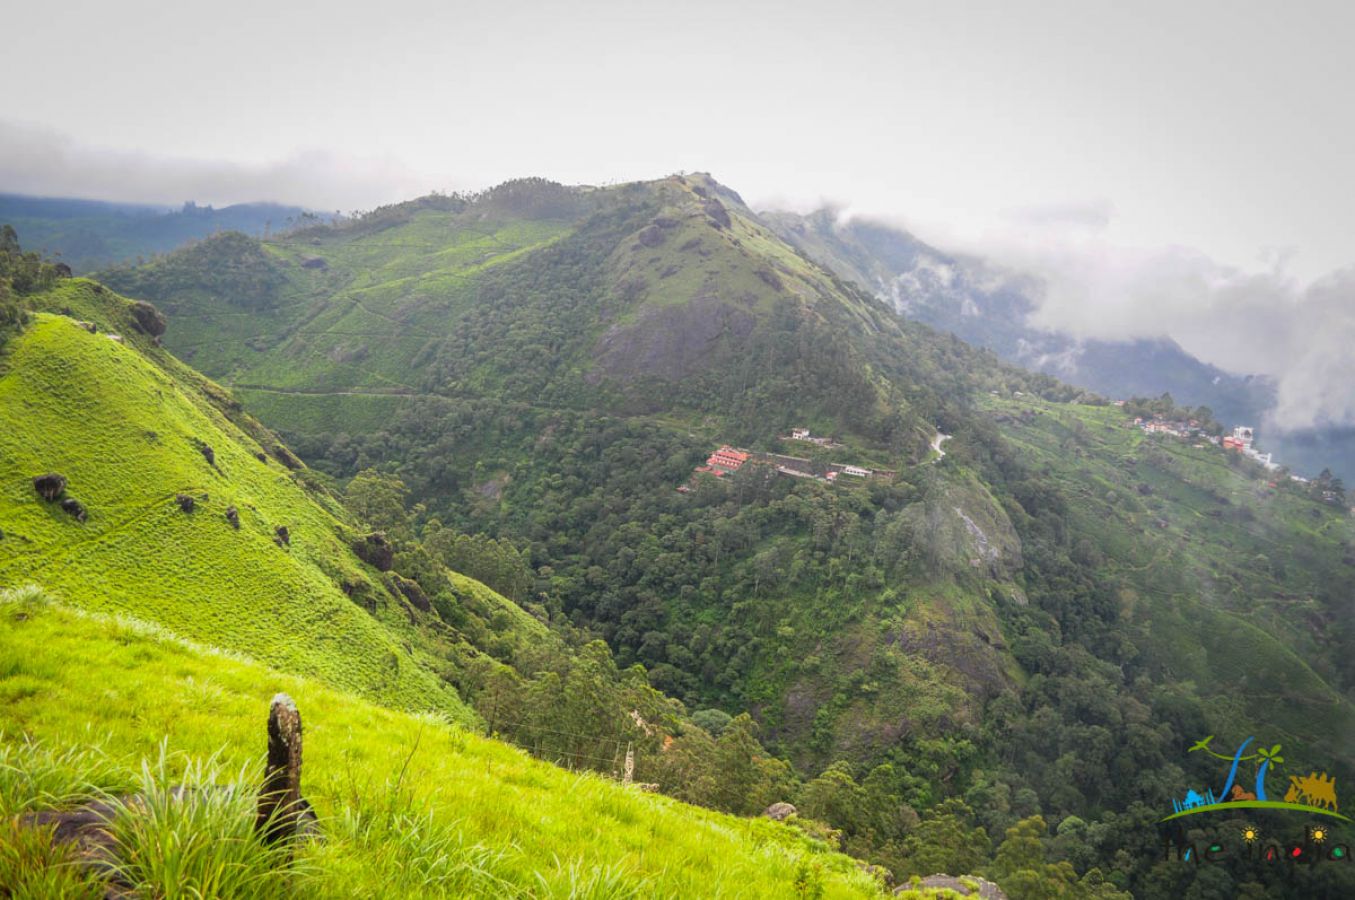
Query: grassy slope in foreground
{"type": "Point", "coordinates": [125, 434]}
{"type": "Point", "coordinates": [468, 817]}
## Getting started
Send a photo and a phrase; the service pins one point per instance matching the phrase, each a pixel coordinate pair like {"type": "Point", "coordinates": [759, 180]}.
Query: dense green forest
{"type": "Point", "coordinates": [993, 663]}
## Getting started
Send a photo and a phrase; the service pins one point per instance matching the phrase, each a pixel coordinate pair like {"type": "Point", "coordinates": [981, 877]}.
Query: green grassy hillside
{"type": "Point", "coordinates": [410, 806]}
{"type": "Point", "coordinates": [645, 297]}
{"type": "Point", "coordinates": [1040, 622]}
{"type": "Point", "coordinates": [131, 430]}
{"type": "Point", "coordinates": [1234, 579]}
{"type": "Point", "coordinates": [128, 440]}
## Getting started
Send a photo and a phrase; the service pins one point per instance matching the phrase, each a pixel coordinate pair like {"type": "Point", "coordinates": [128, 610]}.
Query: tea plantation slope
{"type": "Point", "coordinates": [129, 438]}
{"type": "Point", "coordinates": [409, 806]}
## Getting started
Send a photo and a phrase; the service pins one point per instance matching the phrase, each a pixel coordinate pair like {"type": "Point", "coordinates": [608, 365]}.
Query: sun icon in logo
{"type": "Point", "coordinates": [1317, 834]}
{"type": "Point", "coordinates": [1251, 834]}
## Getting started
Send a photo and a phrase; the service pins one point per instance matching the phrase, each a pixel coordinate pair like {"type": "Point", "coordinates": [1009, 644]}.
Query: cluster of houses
{"type": "Point", "coordinates": [727, 460]}
{"type": "Point", "coordinates": [1240, 441]}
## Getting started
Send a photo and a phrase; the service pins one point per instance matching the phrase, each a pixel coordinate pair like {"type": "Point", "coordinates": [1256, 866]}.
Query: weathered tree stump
{"type": "Point", "coordinates": [282, 810]}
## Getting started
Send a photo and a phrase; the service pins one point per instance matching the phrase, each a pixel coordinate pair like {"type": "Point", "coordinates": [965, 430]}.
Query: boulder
{"type": "Point", "coordinates": [148, 319]}
{"type": "Point", "coordinates": [376, 551]}
{"type": "Point", "coordinates": [413, 592]}
{"type": "Point", "coordinates": [779, 812]}
{"type": "Point", "coordinates": [286, 457]}
{"type": "Point", "coordinates": [74, 508]}
{"type": "Point", "coordinates": [186, 503]}
{"type": "Point", "coordinates": [233, 516]}
{"type": "Point", "coordinates": [718, 214]}
{"type": "Point", "coordinates": [50, 486]}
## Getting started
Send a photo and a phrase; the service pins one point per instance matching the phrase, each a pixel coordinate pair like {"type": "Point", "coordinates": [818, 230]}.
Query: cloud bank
{"type": "Point", "coordinates": [1266, 321]}
{"type": "Point", "coordinates": [43, 162]}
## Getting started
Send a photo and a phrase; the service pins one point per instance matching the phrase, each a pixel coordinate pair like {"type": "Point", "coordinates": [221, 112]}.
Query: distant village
{"type": "Point", "coordinates": [727, 460]}
{"type": "Point", "coordinates": [1240, 441]}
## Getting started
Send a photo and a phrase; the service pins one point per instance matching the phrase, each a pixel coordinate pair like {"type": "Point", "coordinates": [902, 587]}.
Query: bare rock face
{"type": "Point", "coordinates": [717, 212]}
{"type": "Point", "coordinates": [779, 812]}
{"type": "Point", "coordinates": [74, 508]}
{"type": "Point", "coordinates": [49, 486]}
{"type": "Point", "coordinates": [233, 516]}
{"type": "Point", "coordinates": [186, 503]}
{"type": "Point", "coordinates": [964, 886]}
{"type": "Point", "coordinates": [376, 551]}
{"type": "Point", "coordinates": [672, 342]}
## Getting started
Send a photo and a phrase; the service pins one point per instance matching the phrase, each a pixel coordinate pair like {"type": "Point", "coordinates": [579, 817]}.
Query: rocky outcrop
{"type": "Point", "coordinates": [413, 592]}
{"type": "Point", "coordinates": [49, 486]}
{"type": "Point", "coordinates": [376, 551]}
{"type": "Point", "coordinates": [672, 342]}
{"type": "Point", "coordinates": [148, 319]}
{"type": "Point", "coordinates": [963, 886]}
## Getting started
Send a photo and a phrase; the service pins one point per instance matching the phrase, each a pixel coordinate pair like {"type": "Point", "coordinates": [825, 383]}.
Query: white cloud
{"type": "Point", "coordinates": [1264, 321]}
{"type": "Point", "coordinates": [43, 162]}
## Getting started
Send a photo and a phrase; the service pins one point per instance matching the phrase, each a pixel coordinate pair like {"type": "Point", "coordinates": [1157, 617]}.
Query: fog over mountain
{"type": "Point", "coordinates": [1260, 321]}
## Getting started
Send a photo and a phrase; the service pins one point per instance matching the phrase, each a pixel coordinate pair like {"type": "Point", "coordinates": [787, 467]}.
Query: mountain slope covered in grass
{"type": "Point", "coordinates": [190, 513]}
{"type": "Point", "coordinates": [410, 806]}
{"type": "Point", "coordinates": [1029, 612]}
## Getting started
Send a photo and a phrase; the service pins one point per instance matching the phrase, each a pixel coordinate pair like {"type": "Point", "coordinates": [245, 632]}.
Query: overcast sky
{"type": "Point", "coordinates": [1114, 131]}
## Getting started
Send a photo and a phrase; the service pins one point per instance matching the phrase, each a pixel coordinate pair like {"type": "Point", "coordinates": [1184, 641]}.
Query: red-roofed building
{"type": "Point", "coordinates": [727, 458]}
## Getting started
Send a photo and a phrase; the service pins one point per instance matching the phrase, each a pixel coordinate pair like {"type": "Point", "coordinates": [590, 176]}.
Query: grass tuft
{"type": "Point", "coordinates": [195, 836]}
{"type": "Point", "coordinates": [33, 868]}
